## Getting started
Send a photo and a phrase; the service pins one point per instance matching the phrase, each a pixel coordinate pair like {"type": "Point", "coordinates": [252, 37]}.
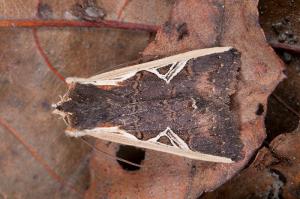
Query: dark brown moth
{"type": "Point", "coordinates": [179, 105]}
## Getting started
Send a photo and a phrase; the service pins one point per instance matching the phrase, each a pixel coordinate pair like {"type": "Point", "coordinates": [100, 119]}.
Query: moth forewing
{"type": "Point", "coordinates": [160, 105]}
{"type": "Point", "coordinates": [114, 134]}
{"type": "Point", "coordinates": [116, 76]}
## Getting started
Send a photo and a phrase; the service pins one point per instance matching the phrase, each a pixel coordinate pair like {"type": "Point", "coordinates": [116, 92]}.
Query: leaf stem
{"type": "Point", "coordinates": [75, 23]}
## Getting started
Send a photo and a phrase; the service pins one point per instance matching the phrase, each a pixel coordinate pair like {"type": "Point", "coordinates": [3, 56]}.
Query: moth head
{"type": "Point", "coordinates": [81, 107]}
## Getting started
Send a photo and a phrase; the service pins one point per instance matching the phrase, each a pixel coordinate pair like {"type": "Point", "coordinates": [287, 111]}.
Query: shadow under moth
{"type": "Point", "coordinates": [179, 104]}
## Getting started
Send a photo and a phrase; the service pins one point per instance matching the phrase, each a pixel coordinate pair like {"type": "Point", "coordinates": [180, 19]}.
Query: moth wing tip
{"type": "Point", "coordinates": [230, 161]}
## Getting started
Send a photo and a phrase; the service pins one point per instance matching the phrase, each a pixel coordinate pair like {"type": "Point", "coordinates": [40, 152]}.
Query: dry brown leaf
{"type": "Point", "coordinates": [28, 87]}
{"type": "Point", "coordinates": [274, 173]}
{"type": "Point", "coordinates": [34, 152]}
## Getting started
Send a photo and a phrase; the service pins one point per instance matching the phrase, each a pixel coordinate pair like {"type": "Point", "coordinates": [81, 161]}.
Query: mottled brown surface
{"type": "Point", "coordinates": [149, 12]}
{"type": "Point", "coordinates": [275, 173]}
{"type": "Point", "coordinates": [145, 105]}
{"type": "Point", "coordinates": [208, 24]}
{"type": "Point", "coordinates": [280, 19]}
{"type": "Point", "coordinates": [26, 82]}
{"type": "Point", "coordinates": [88, 10]}
{"type": "Point", "coordinates": [279, 118]}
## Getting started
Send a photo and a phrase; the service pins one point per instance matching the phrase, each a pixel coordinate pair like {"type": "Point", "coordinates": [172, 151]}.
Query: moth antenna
{"type": "Point", "coordinates": [109, 155]}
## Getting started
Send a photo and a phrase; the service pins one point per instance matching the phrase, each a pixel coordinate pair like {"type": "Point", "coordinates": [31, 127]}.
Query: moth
{"type": "Point", "coordinates": [180, 105]}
